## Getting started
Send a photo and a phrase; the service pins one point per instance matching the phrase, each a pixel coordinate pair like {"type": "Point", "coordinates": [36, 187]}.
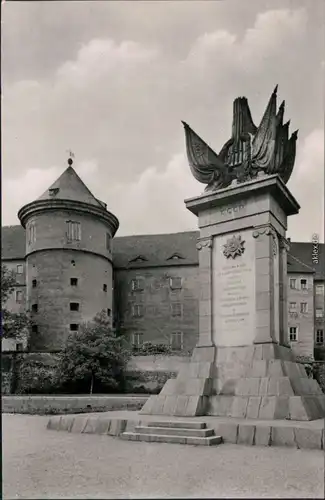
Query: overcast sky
{"type": "Point", "coordinates": [112, 81]}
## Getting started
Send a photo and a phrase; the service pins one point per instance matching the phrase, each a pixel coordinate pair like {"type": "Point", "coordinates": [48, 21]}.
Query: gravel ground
{"type": "Point", "coordinates": [38, 463]}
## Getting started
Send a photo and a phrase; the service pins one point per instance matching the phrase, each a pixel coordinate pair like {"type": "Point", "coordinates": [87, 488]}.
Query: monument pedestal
{"type": "Point", "coordinates": [242, 365]}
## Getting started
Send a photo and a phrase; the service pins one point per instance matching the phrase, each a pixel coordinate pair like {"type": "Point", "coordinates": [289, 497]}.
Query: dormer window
{"type": "Point", "coordinates": [73, 231]}
{"type": "Point", "coordinates": [139, 258]}
{"type": "Point", "coordinates": [175, 256]}
{"type": "Point", "coordinates": [53, 191]}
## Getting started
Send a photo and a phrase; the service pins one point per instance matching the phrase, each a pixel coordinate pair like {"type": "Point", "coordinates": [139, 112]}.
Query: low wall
{"type": "Point", "coordinates": [148, 374]}
{"type": "Point", "coordinates": [50, 405]}
{"type": "Point", "coordinates": [296, 435]}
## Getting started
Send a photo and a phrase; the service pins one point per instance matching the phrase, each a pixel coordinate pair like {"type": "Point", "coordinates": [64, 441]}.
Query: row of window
{"type": "Point", "coordinates": [74, 306]}
{"type": "Point", "coordinates": [319, 312]}
{"type": "Point", "coordinates": [293, 335]}
{"type": "Point", "coordinates": [137, 284]}
{"type": "Point", "coordinates": [176, 310]}
{"type": "Point", "coordinates": [303, 307]}
{"type": "Point", "coordinates": [73, 233]}
{"type": "Point", "coordinates": [175, 340]}
{"type": "Point", "coordinates": [293, 284]}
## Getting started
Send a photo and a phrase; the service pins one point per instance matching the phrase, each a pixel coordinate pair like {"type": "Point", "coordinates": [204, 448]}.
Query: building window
{"type": "Point", "coordinates": [293, 283]}
{"type": "Point", "coordinates": [293, 334]}
{"type": "Point", "coordinates": [31, 233]}
{"type": "Point", "coordinates": [73, 231]}
{"type": "Point", "coordinates": [34, 328]}
{"type": "Point", "coordinates": [74, 327]}
{"type": "Point", "coordinates": [319, 289]}
{"type": "Point", "coordinates": [74, 306]}
{"type": "Point", "coordinates": [108, 241]}
{"type": "Point", "coordinates": [137, 310]}
{"type": "Point", "coordinates": [35, 308]}
{"type": "Point", "coordinates": [137, 340]}
{"type": "Point", "coordinates": [303, 284]}
{"type": "Point", "coordinates": [175, 283]}
{"type": "Point", "coordinates": [74, 281]}
{"type": "Point", "coordinates": [73, 263]}
{"type": "Point", "coordinates": [292, 306]}
{"type": "Point", "coordinates": [176, 341]}
{"type": "Point", "coordinates": [137, 285]}
{"type": "Point", "coordinates": [19, 346]}
{"type": "Point", "coordinates": [319, 313]}
{"type": "Point", "coordinates": [177, 309]}
{"type": "Point", "coordinates": [20, 269]}
{"type": "Point", "coordinates": [104, 288]}
{"type": "Point", "coordinates": [109, 312]}
{"type": "Point", "coordinates": [34, 283]}
{"type": "Point", "coordinates": [303, 307]}
{"type": "Point", "coordinates": [19, 296]}
{"type": "Point", "coordinates": [319, 336]}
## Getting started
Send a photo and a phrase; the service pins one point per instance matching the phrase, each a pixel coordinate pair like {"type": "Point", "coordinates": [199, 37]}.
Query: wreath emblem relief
{"type": "Point", "coordinates": [233, 247]}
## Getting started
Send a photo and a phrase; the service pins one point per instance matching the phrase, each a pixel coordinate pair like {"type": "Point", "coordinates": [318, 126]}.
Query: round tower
{"type": "Point", "coordinates": [69, 274]}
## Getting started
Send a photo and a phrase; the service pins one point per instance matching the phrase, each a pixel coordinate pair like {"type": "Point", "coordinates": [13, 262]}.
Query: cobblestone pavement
{"type": "Point", "coordinates": [38, 463]}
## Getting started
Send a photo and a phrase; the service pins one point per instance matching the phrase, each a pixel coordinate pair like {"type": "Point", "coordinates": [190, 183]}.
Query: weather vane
{"type": "Point", "coordinates": [71, 155]}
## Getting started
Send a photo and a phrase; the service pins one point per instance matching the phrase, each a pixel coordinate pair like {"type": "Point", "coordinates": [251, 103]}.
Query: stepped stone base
{"type": "Point", "coordinates": [261, 381]}
{"type": "Point", "coordinates": [195, 433]}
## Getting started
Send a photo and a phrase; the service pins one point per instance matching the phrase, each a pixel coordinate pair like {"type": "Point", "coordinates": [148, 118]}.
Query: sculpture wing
{"type": "Point", "coordinates": [205, 164]}
{"type": "Point", "coordinates": [286, 168]}
{"type": "Point", "coordinates": [263, 144]}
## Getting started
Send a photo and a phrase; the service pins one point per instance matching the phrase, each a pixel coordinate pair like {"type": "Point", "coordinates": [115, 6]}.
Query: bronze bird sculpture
{"type": "Point", "coordinates": [266, 148]}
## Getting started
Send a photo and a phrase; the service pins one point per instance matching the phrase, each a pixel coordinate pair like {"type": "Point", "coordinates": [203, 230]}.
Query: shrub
{"type": "Point", "coordinates": [36, 378]}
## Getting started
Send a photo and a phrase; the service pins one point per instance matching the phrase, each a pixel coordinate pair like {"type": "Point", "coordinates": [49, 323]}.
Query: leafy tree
{"type": "Point", "coordinates": [94, 354]}
{"type": "Point", "coordinates": [14, 325]}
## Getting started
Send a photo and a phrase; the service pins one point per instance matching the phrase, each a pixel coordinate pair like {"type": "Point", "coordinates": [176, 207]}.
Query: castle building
{"type": "Point", "coordinates": [69, 266]}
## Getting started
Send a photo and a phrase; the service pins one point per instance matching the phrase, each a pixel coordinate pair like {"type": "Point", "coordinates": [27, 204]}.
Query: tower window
{"type": "Point", "coordinates": [104, 288]}
{"type": "Point", "coordinates": [109, 312]}
{"type": "Point", "coordinates": [34, 328]}
{"type": "Point", "coordinates": [19, 296]}
{"type": "Point", "coordinates": [73, 230]}
{"type": "Point", "coordinates": [74, 281]}
{"type": "Point", "coordinates": [74, 306]}
{"type": "Point", "coordinates": [31, 233]}
{"type": "Point", "coordinates": [35, 308]}
{"type": "Point", "coordinates": [34, 283]}
{"type": "Point", "coordinates": [108, 241]}
{"type": "Point", "coordinates": [20, 269]}
{"type": "Point", "coordinates": [73, 263]}
{"type": "Point", "coordinates": [74, 327]}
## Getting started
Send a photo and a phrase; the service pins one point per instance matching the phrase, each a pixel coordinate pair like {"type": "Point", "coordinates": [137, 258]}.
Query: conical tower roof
{"type": "Point", "coordinates": [69, 186]}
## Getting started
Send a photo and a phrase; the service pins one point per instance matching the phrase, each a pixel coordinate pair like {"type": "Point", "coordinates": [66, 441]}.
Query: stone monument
{"type": "Point", "coordinates": [243, 365]}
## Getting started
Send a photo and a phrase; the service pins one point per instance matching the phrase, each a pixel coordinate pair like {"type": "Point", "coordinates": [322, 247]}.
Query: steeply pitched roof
{"type": "Point", "coordinates": [69, 186]}
{"type": "Point", "coordinates": [304, 252]}
{"type": "Point", "coordinates": [13, 244]}
{"type": "Point", "coordinates": [158, 248]}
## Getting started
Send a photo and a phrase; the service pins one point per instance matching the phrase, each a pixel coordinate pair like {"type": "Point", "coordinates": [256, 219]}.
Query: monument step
{"type": "Point", "coordinates": [177, 424]}
{"type": "Point", "coordinates": [174, 431]}
{"type": "Point", "coordinates": [177, 439]}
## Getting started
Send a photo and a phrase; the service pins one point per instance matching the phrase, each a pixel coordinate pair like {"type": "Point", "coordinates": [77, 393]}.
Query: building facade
{"type": "Point", "coordinates": [69, 266]}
